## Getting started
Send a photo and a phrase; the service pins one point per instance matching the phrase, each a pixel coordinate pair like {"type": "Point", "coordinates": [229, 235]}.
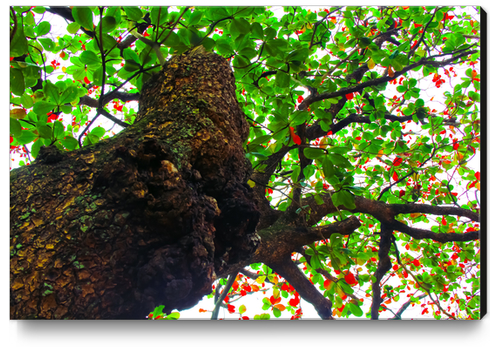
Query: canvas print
{"type": "Point", "coordinates": [245, 163]}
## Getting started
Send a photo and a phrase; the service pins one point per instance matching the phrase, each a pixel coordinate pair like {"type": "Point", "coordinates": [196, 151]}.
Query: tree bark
{"type": "Point", "coordinates": [146, 218]}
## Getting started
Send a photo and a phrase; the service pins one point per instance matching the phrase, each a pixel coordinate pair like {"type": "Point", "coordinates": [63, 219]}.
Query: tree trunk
{"type": "Point", "coordinates": [146, 218]}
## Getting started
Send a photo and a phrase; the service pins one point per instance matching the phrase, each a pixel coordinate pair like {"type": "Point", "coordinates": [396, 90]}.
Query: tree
{"type": "Point", "coordinates": [293, 148]}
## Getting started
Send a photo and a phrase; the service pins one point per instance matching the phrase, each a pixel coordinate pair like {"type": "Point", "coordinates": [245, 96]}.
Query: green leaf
{"type": "Point", "coordinates": [98, 76]}
{"type": "Point", "coordinates": [276, 312]}
{"type": "Point", "coordinates": [257, 31]}
{"type": "Point", "coordinates": [339, 160]}
{"type": "Point", "coordinates": [83, 16]}
{"type": "Point", "coordinates": [158, 14]}
{"type": "Point", "coordinates": [69, 94]}
{"type": "Point", "coordinates": [224, 47]}
{"type": "Point", "coordinates": [44, 130]}
{"type": "Point", "coordinates": [216, 13]}
{"type": "Point", "coordinates": [48, 44]}
{"type": "Point", "coordinates": [108, 24]}
{"type": "Point", "coordinates": [26, 137]}
{"type": "Point", "coordinates": [73, 27]}
{"type": "Point", "coordinates": [89, 58]}
{"type": "Point", "coordinates": [39, 9]}
{"type": "Point", "coordinates": [173, 316]}
{"type": "Point", "coordinates": [295, 174]}
{"type": "Point", "coordinates": [313, 153]}
{"type": "Point", "coordinates": [173, 40]}
{"type": "Point", "coordinates": [58, 129]}
{"type": "Point", "coordinates": [15, 127]}
{"type": "Point", "coordinates": [35, 148]}
{"type": "Point", "coordinates": [315, 262]}
{"type": "Point", "coordinates": [239, 26]}
{"type": "Point", "coordinates": [98, 131]}
{"type": "Point", "coordinates": [26, 100]}
{"type": "Point", "coordinates": [299, 117]}
{"type": "Point", "coordinates": [18, 46]}
{"type": "Point", "coordinates": [43, 107]}
{"type": "Point", "coordinates": [196, 17]}
{"type": "Point", "coordinates": [69, 143]}
{"type": "Point", "coordinates": [52, 92]}
{"type": "Point", "coordinates": [133, 13]}
{"type": "Point", "coordinates": [42, 28]}
{"type": "Point", "coordinates": [240, 61]}
{"type": "Point", "coordinates": [327, 167]}
{"type": "Point", "coordinates": [17, 83]}
{"type": "Point", "coordinates": [282, 79]}
{"type": "Point", "coordinates": [356, 310]}
{"type": "Point", "coordinates": [344, 198]}
{"type": "Point", "coordinates": [364, 42]}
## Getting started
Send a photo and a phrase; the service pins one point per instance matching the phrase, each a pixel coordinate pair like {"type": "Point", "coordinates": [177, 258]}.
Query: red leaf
{"type": "Point", "coordinates": [395, 176]}
{"type": "Point", "coordinates": [274, 300]}
{"type": "Point", "coordinates": [397, 161]}
{"type": "Point", "coordinates": [296, 138]}
{"type": "Point", "coordinates": [294, 301]}
{"type": "Point", "coordinates": [416, 262]}
{"type": "Point", "coordinates": [349, 96]}
{"type": "Point", "coordinates": [350, 279]}
{"type": "Point", "coordinates": [477, 175]}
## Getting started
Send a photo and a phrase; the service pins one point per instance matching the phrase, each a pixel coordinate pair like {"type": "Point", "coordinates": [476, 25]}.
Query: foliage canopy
{"type": "Point", "coordinates": [352, 109]}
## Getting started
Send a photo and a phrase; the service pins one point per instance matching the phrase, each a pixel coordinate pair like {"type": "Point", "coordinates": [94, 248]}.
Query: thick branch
{"type": "Point", "coordinates": [384, 265]}
{"type": "Point", "coordinates": [439, 237]}
{"type": "Point", "coordinates": [386, 213]}
{"type": "Point", "coordinates": [437, 210]}
{"type": "Point", "coordinates": [287, 269]}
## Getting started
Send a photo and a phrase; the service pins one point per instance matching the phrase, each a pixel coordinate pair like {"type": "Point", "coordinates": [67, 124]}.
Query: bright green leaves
{"type": "Point", "coordinates": [42, 28]}
{"type": "Point", "coordinates": [83, 16]}
{"type": "Point", "coordinates": [313, 153]}
{"type": "Point", "coordinates": [276, 47]}
{"type": "Point", "coordinates": [282, 79]}
{"type": "Point", "coordinates": [18, 45]}
{"type": "Point", "coordinates": [257, 31]}
{"type": "Point", "coordinates": [158, 314]}
{"type": "Point", "coordinates": [95, 135]}
{"type": "Point", "coordinates": [17, 83]}
{"type": "Point", "coordinates": [52, 92]}
{"type": "Point", "coordinates": [239, 26]}
{"type": "Point", "coordinates": [344, 198]}
{"type": "Point", "coordinates": [108, 24]}
{"type": "Point", "coordinates": [133, 13]}
{"type": "Point", "coordinates": [453, 41]}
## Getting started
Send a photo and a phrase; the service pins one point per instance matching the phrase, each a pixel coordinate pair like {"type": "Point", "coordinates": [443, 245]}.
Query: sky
{"type": "Point", "coordinates": [98, 333]}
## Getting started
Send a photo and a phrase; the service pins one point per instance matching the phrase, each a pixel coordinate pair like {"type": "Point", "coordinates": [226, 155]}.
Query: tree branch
{"type": "Point", "coordinates": [287, 269]}
{"type": "Point", "coordinates": [384, 265]}
{"type": "Point", "coordinates": [376, 81]}
{"type": "Point", "coordinates": [398, 314]}
{"type": "Point", "coordinates": [225, 291]}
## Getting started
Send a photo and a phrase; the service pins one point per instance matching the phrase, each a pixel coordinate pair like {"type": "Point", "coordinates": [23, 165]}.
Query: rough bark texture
{"type": "Point", "coordinates": [148, 217]}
